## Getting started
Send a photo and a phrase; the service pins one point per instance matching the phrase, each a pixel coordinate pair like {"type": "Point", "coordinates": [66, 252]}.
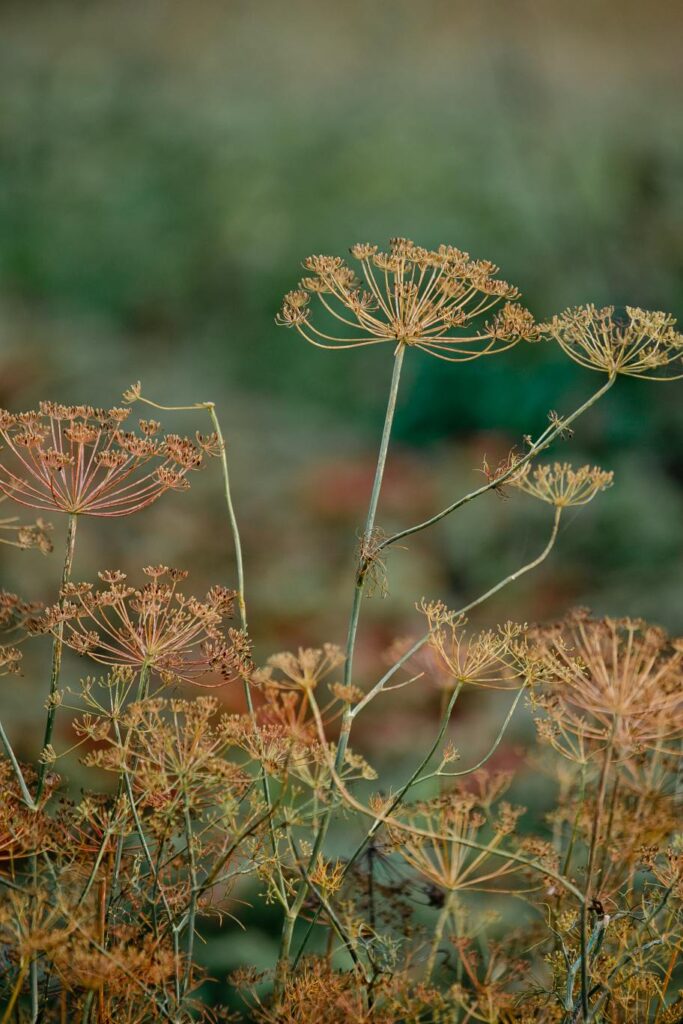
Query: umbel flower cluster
{"type": "Point", "coordinates": [428, 895]}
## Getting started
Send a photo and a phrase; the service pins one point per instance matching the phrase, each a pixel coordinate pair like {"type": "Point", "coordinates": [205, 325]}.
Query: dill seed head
{"type": "Point", "coordinates": [562, 485]}
{"type": "Point", "coordinates": [602, 677]}
{"type": "Point", "coordinates": [79, 460]}
{"type": "Point", "coordinates": [642, 345]}
{"type": "Point", "coordinates": [154, 626]}
{"type": "Point", "coordinates": [303, 670]}
{"type": "Point", "coordinates": [435, 300]}
{"type": "Point", "coordinates": [491, 658]}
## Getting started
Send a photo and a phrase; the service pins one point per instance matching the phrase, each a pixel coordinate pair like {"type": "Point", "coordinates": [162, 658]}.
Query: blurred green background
{"type": "Point", "coordinates": [165, 167]}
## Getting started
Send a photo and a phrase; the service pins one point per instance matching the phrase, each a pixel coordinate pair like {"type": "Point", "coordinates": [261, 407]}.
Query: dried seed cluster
{"type": "Point", "coordinates": [431, 895]}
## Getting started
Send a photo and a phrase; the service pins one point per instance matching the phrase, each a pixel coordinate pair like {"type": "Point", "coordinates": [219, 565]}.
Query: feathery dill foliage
{"type": "Point", "coordinates": [193, 810]}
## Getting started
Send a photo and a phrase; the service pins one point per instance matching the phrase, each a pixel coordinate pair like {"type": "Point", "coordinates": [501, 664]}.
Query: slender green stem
{"type": "Point", "coordinates": [364, 560]}
{"type": "Point", "coordinates": [441, 923]}
{"type": "Point", "coordinates": [210, 407]}
{"type": "Point", "coordinates": [26, 795]}
{"type": "Point", "coordinates": [595, 831]}
{"type": "Point", "coordinates": [489, 754]}
{"type": "Point", "coordinates": [538, 446]}
{"type": "Point", "coordinates": [57, 648]}
{"type": "Point", "coordinates": [575, 825]}
{"type": "Point", "coordinates": [407, 655]}
{"type": "Point", "coordinates": [87, 1006]}
{"type": "Point", "coordinates": [365, 556]}
{"type": "Point", "coordinates": [392, 807]}
{"type": "Point", "coordinates": [192, 914]}
{"type": "Point", "coordinates": [401, 826]}
{"type": "Point", "coordinates": [325, 905]}
{"type": "Point", "coordinates": [237, 543]}
{"type": "Point", "coordinates": [378, 687]}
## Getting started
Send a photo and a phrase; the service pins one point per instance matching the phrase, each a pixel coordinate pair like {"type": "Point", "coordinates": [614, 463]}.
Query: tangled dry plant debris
{"type": "Point", "coordinates": [104, 899]}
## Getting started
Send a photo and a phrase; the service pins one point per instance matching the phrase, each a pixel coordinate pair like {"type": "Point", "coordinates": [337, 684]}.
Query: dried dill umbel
{"type": "Point", "coordinates": [438, 300]}
{"type": "Point", "coordinates": [80, 460]}
{"type": "Point", "coordinates": [400, 890]}
{"type": "Point", "coordinates": [154, 627]}
{"type": "Point", "coordinates": [641, 344]}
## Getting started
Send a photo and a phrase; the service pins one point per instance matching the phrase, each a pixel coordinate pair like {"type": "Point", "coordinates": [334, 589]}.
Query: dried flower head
{"type": "Point", "coordinates": [561, 485]}
{"type": "Point", "coordinates": [608, 677]}
{"type": "Point", "coordinates": [303, 670]}
{"type": "Point", "coordinates": [434, 300]}
{"type": "Point", "coordinates": [456, 820]}
{"type": "Point", "coordinates": [15, 618]}
{"type": "Point", "coordinates": [493, 658]}
{"type": "Point", "coordinates": [79, 460]}
{"type": "Point", "coordinates": [639, 347]}
{"type": "Point", "coordinates": [154, 627]}
{"type": "Point", "coordinates": [25, 535]}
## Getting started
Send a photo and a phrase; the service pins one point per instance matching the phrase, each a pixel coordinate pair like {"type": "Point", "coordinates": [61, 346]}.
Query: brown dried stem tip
{"type": "Point", "coordinates": [638, 347]}
{"type": "Point", "coordinates": [79, 460]}
{"type": "Point", "coordinates": [434, 300]}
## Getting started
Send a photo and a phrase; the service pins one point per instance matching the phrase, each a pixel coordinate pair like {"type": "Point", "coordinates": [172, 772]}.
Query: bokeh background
{"type": "Point", "coordinates": [165, 167]}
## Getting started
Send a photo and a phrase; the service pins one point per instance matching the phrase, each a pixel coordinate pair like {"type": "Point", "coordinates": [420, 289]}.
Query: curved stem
{"type": "Point", "coordinates": [489, 754]}
{"type": "Point", "coordinates": [57, 648]}
{"type": "Point", "coordinates": [402, 826]}
{"type": "Point", "coordinates": [210, 407]}
{"type": "Point", "coordinates": [539, 445]}
{"type": "Point", "coordinates": [519, 572]}
{"type": "Point", "coordinates": [239, 561]}
{"type": "Point", "coordinates": [407, 655]}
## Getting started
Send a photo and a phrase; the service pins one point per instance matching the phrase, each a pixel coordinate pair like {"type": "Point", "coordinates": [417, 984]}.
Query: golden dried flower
{"type": "Point", "coordinates": [154, 627]}
{"type": "Point", "coordinates": [25, 535]}
{"type": "Point", "coordinates": [434, 300]}
{"type": "Point", "coordinates": [79, 460]}
{"type": "Point", "coordinates": [602, 677]}
{"type": "Point", "coordinates": [561, 485]}
{"type": "Point", "coordinates": [638, 347]}
{"type": "Point", "coordinates": [445, 859]}
{"type": "Point", "coordinates": [303, 670]}
{"type": "Point", "coordinates": [16, 616]}
{"type": "Point", "coordinates": [493, 658]}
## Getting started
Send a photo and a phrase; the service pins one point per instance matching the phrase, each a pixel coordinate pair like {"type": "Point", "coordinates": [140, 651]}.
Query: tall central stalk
{"type": "Point", "coordinates": [364, 560]}
{"type": "Point", "coordinates": [365, 555]}
{"type": "Point", "coordinates": [57, 648]}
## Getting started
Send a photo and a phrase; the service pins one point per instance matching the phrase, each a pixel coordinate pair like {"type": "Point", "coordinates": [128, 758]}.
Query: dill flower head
{"type": "Point", "coordinates": [153, 627]}
{"type": "Point", "coordinates": [608, 677]}
{"type": "Point", "coordinates": [80, 460]}
{"type": "Point", "coordinates": [562, 485]}
{"type": "Point", "coordinates": [640, 346]}
{"type": "Point", "coordinates": [303, 670]}
{"type": "Point", "coordinates": [435, 300]}
{"type": "Point", "coordinates": [178, 751]}
{"type": "Point", "coordinates": [456, 819]}
{"type": "Point", "coordinates": [492, 658]}
{"type": "Point", "coordinates": [15, 616]}
{"type": "Point", "coordinates": [25, 535]}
